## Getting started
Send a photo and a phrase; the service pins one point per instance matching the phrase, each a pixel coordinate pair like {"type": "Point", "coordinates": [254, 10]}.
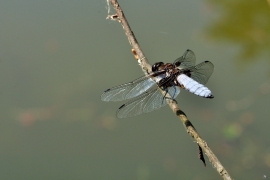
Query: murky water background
{"type": "Point", "coordinates": [57, 57]}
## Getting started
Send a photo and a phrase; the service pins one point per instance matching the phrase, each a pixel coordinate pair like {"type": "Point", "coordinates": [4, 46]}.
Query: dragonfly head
{"type": "Point", "coordinates": [156, 66]}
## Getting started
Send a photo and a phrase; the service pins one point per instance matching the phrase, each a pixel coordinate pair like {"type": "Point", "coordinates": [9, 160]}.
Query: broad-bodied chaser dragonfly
{"type": "Point", "coordinates": [144, 94]}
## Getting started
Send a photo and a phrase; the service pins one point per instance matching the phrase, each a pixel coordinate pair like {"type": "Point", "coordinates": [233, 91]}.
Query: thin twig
{"type": "Point", "coordinates": [173, 105]}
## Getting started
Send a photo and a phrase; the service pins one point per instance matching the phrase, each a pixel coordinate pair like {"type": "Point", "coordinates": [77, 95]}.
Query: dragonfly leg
{"type": "Point", "coordinates": [164, 97]}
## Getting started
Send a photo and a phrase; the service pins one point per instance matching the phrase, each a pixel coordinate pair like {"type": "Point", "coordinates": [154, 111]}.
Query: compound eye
{"type": "Point", "coordinates": [156, 66]}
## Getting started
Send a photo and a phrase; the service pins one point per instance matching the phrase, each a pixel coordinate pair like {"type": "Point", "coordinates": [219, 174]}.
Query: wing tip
{"type": "Point", "coordinates": [118, 115]}
{"type": "Point", "coordinates": [107, 90]}
{"type": "Point", "coordinates": [103, 97]}
{"type": "Point", "coordinates": [121, 106]}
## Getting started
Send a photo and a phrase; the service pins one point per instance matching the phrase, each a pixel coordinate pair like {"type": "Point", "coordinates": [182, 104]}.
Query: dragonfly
{"type": "Point", "coordinates": [144, 95]}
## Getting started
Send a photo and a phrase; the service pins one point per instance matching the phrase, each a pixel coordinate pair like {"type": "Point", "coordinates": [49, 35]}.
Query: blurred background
{"type": "Point", "coordinates": [57, 57]}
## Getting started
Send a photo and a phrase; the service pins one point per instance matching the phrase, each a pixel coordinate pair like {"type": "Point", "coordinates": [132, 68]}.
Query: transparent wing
{"type": "Point", "coordinates": [146, 102]}
{"type": "Point", "coordinates": [201, 72]}
{"type": "Point", "coordinates": [174, 91]}
{"type": "Point", "coordinates": [128, 90]}
{"type": "Point", "coordinates": [187, 60]}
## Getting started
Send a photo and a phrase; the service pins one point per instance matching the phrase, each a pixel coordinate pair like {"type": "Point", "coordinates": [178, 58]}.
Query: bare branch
{"type": "Point", "coordinates": [172, 103]}
{"type": "Point", "coordinates": [131, 38]}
